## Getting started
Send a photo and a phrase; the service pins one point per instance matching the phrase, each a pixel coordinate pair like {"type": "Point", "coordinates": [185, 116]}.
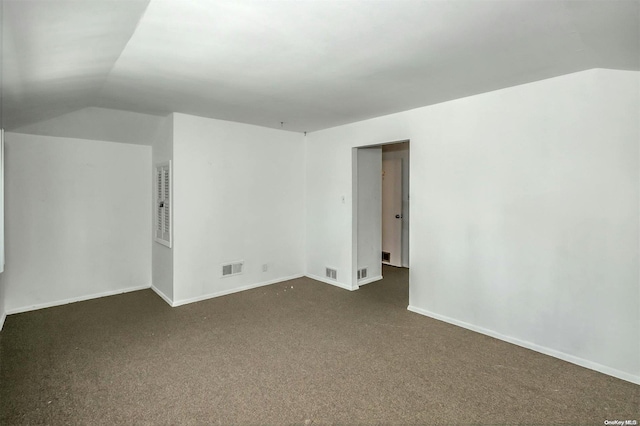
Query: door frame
{"type": "Point", "coordinates": [354, 208]}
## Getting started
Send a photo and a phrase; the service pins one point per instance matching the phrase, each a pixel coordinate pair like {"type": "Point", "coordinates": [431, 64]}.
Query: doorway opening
{"type": "Point", "coordinates": [380, 210]}
{"type": "Point", "coordinates": [395, 204]}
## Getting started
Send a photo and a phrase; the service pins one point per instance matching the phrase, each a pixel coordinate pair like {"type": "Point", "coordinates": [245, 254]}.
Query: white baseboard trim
{"type": "Point", "coordinates": [162, 295]}
{"type": "Point", "coordinates": [370, 280]}
{"type": "Point", "coordinates": [534, 347]}
{"type": "Point", "coordinates": [233, 290]}
{"type": "Point", "coordinates": [75, 299]}
{"type": "Point", "coordinates": [328, 281]}
{"type": "Point", "coordinates": [2, 318]}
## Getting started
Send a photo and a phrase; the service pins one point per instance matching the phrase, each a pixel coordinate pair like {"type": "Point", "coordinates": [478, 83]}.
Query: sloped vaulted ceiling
{"type": "Point", "coordinates": [311, 64]}
{"type": "Point", "coordinates": [56, 55]}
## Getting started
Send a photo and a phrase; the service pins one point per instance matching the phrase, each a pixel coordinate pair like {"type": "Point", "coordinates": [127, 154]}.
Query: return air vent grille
{"type": "Point", "coordinates": [332, 273]}
{"type": "Point", "coordinates": [386, 256]}
{"type": "Point", "coordinates": [362, 273]}
{"type": "Point", "coordinates": [230, 269]}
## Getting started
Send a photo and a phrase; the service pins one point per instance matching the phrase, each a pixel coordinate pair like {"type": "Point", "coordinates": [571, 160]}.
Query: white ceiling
{"type": "Point", "coordinates": [311, 64]}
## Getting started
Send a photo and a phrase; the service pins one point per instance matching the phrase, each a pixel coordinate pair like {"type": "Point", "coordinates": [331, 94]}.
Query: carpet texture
{"type": "Point", "coordinates": [298, 352]}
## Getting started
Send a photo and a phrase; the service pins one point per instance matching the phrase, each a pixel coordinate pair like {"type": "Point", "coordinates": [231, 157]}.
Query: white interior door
{"type": "Point", "coordinates": [392, 212]}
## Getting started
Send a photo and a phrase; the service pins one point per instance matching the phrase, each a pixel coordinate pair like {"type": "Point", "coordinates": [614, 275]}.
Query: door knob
{"type": "Point", "coordinates": [398, 216]}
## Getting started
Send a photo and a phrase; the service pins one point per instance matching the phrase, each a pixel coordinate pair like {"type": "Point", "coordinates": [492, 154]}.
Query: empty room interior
{"type": "Point", "coordinates": [313, 212]}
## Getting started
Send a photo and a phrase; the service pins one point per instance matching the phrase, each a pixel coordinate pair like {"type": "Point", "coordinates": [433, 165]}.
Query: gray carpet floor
{"type": "Point", "coordinates": [297, 352]}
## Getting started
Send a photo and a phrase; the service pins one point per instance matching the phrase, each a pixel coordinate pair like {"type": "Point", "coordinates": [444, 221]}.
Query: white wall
{"type": "Point", "coordinates": [162, 256]}
{"type": "Point", "coordinates": [369, 208]}
{"type": "Point", "coordinates": [77, 220]}
{"type": "Point", "coordinates": [3, 311]}
{"type": "Point", "coordinates": [401, 151]}
{"type": "Point", "coordinates": [329, 209]}
{"type": "Point", "coordinates": [524, 213]}
{"type": "Point", "coordinates": [238, 195]}
{"type": "Point", "coordinates": [100, 124]}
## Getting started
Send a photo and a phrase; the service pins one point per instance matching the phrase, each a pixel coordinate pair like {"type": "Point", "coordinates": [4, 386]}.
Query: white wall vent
{"type": "Point", "coordinates": [234, 268]}
{"type": "Point", "coordinates": [362, 273]}
{"type": "Point", "coordinates": [331, 273]}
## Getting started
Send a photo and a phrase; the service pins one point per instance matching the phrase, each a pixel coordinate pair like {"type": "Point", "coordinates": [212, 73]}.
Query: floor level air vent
{"type": "Point", "coordinates": [332, 273]}
{"type": "Point", "coordinates": [232, 269]}
{"type": "Point", "coordinates": [386, 256]}
{"type": "Point", "coordinates": [362, 273]}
